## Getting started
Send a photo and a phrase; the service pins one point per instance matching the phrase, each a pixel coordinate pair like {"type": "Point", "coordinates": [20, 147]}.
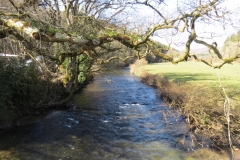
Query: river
{"type": "Point", "coordinates": [115, 118]}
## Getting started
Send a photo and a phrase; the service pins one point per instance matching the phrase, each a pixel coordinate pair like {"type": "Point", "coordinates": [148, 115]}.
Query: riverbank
{"type": "Point", "coordinates": [55, 99]}
{"type": "Point", "coordinates": [193, 90]}
{"type": "Point", "coordinates": [124, 119]}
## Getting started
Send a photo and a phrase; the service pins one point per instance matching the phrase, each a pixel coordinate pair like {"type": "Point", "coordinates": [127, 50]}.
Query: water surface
{"type": "Point", "coordinates": [115, 117]}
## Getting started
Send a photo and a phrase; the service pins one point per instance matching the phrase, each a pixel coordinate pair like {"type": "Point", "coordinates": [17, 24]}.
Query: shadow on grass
{"type": "Point", "coordinates": [186, 77]}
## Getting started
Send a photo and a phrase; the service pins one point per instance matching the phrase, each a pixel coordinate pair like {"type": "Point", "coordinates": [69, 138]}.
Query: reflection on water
{"type": "Point", "coordinates": [122, 120]}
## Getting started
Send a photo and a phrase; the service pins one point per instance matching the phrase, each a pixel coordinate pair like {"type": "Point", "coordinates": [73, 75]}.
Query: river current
{"type": "Point", "coordinates": [115, 118]}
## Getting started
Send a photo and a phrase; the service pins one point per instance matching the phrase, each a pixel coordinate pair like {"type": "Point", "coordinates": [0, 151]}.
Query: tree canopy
{"type": "Point", "coordinates": [83, 35]}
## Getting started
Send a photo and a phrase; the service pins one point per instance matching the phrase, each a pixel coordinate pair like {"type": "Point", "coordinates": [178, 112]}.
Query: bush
{"type": "Point", "coordinates": [22, 87]}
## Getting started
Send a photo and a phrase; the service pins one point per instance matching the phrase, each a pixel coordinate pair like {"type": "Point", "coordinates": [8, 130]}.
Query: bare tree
{"type": "Point", "coordinates": [82, 29]}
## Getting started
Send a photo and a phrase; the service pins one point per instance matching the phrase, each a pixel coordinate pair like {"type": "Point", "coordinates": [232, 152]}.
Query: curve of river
{"type": "Point", "coordinates": [115, 117]}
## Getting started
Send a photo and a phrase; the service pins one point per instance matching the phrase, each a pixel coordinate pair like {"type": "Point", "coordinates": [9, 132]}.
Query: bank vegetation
{"type": "Point", "coordinates": [208, 98]}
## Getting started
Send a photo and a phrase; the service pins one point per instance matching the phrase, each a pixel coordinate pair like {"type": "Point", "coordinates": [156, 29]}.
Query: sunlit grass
{"type": "Point", "coordinates": [198, 73]}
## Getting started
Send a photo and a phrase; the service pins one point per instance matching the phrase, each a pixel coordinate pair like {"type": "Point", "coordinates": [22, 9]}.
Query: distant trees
{"type": "Point", "coordinates": [231, 45]}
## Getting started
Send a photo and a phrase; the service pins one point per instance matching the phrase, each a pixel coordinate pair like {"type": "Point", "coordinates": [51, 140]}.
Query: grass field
{"type": "Point", "coordinates": [199, 74]}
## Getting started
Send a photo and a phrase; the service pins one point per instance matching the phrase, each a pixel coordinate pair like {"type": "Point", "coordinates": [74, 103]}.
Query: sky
{"type": "Point", "coordinates": [146, 18]}
{"type": "Point", "coordinates": [204, 30]}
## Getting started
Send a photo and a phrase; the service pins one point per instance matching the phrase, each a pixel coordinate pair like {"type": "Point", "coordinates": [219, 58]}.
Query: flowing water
{"type": "Point", "coordinates": [115, 118]}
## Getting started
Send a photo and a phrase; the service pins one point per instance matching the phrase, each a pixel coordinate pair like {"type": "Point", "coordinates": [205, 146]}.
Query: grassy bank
{"type": "Point", "coordinates": [193, 88]}
{"type": "Point", "coordinates": [199, 74]}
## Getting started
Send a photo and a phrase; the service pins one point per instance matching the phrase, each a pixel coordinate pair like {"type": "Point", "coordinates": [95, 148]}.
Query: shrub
{"type": "Point", "coordinates": [22, 87]}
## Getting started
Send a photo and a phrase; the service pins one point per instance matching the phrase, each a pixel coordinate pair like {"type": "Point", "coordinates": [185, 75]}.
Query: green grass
{"type": "Point", "coordinates": [198, 73]}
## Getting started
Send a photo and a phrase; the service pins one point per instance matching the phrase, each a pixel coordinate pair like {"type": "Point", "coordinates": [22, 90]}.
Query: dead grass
{"type": "Point", "coordinates": [193, 90]}
{"type": "Point", "coordinates": [202, 106]}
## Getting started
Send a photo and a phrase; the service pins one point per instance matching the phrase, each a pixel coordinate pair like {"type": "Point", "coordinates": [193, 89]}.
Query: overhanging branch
{"type": "Point", "coordinates": [211, 47]}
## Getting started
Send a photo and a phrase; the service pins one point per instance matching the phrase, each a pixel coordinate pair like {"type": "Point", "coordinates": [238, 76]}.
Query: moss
{"type": "Point", "coordinates": [52, 30]}
{"type": "Point", "coordinates": [73, 33]}
{"type": "Point", "coordinates": [110, 32]}
{"type": "Point", "coordinates": [135, 37]}
{"type": "Point", "coordinates": [35, 23]}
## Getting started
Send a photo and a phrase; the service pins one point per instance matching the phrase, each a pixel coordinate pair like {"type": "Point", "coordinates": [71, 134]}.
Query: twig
{"type": "Point", "coordinates": [227, 106]}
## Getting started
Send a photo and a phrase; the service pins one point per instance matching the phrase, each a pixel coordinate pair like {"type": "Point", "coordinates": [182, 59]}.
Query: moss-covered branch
{"type": "Point", "coordinates": [43, 32]}
{"type": "Point", "coordinates": [225, 61]}
{"type": "Point", "coordinates": [50, 34]}
{"type": "Point", "coordinates": [211, 47]}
